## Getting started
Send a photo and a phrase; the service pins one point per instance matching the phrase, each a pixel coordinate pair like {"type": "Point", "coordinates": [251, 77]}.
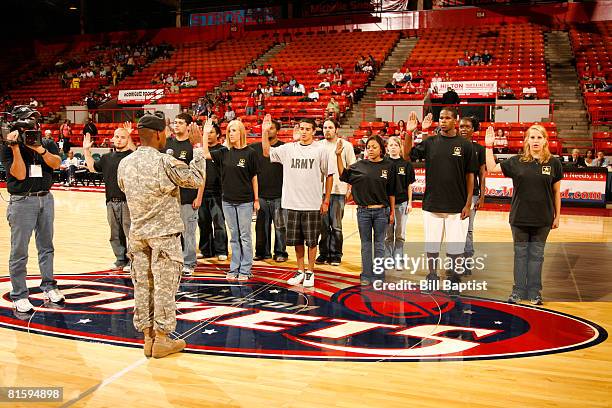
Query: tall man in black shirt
{"type": "Point", "coordinates": [213, 235]}
{"type": "Point", "coordinates": [181, 147]}
{"type": "Point", "coordinates": [270, 180]}
{"type": "Point", "coordinates": [29, 175]}
{"type": "Point", "coordinates": [117, 212]}
{"type": "Point", "coordinates": [467, 126]}
{"type": "Point", "coordinates": [449, 183]}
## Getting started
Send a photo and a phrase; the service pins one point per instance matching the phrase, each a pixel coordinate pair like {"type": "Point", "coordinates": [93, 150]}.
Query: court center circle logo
{"type": "Point", "coordinates": [338, 320]}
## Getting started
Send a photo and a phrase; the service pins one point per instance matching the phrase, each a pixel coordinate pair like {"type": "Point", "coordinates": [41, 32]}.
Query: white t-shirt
{"type": "Point", "coordinates": [304, 169]}
{"type": "Point", "coordinates": [348, 158]}
{"type": "Point", "coordinates": [398, 76]}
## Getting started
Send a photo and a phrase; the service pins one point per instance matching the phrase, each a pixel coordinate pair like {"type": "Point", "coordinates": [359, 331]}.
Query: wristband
{"type": "Point", "coordinates": [45, 152]}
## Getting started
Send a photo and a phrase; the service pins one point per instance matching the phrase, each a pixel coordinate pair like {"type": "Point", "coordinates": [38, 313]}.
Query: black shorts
{"type": "Point", "coordinates": [303, 228]}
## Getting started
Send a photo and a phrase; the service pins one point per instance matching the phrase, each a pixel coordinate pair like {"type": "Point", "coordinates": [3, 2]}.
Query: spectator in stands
{"type": "Point", "coordinates": [272, 79]}
{"type": "Point", "coordinates": [421, 89]}
{"type": "Point", "coordinates": [486, 57]}
{"type": "Point", "coordinates": [589, 158]}
{"type": "Point", "coordinates": [318, 128]}
{"type": "Point", "coordinates": [269, 71]}
{"type": "Point", "coordinates": [260, 100]}
{"type": "Point", "coordinates": [329, 70]}
{"type": "Point", "coordinates": [322, 71]}
{"type": "Point", "coordinates": [286, 89]}
{"type": "Point", "coordinates": [338, 68]}
{"type": "Point", "coordinates": [450, 97]}
{"type": "Point", "coordinates": [200, 108]}
{"type": "Point", "coordinates": [501, 142]}
{"type": "Point", "coordinates": [408, 88]}
{"type": "Point", "coordinates": [400, 130]}
{"type": "Point", "coordinates": [476, 60]}
{"type": "Point", "coordinates": [76, 83]}
{"type": "Point", "coordinates": [419, 77]}
{"type": "Point", "coordinates": [253, 71]}
{"type": "Point", "coordinates": [407, 75]}
{"type": "Point", "coordinates": [298, 89]}
{"type": "Point", "coordinates": [505, 92]}
{"type": "Point", "coordinates": [229, 113]}
{"type": "Point", "coordinates": [601, 160]}
{"type": "Point", "coordinates": [90, 128]}
{"type": "Point", "coordinates": [188, 81]}
{"type": "Point", "coordinates": [33, 103]}
{"type": "Point", "coordinates": [530, 91]}
{"type": "Point", "coordinates": [391, 87]}
{"type": "Point", "coordinates": [68, 169]}
{"type": "Point", "coordinates": [368, 69]}
{"type": "Point", "coordinates": [333, 108]}
{"type": "Point", "coordinates": [436, 78]}
{"type": "Point", "coordinates": [250, 104]}
{"type": "Point", "coordinates": [337, 88]}
{"type": "Point", "coordinates": [324, 84]}
{"type": "Point", "coordinates": [447, 77]}
{"type": "Point", "coordinates": [293, 81]}
{"type": "Point", "coordinates": [338, 77]}
{"type": "Point", "coordinates": [576, 160]}
{"type": "Point", "coordinates": [462, 62]}
{"type": "Point", "coordinates": [313, 95]}
{"type": "Point", "coordinates": [398, 76]}
{"type": "Point", "coordinates": [269, 91]}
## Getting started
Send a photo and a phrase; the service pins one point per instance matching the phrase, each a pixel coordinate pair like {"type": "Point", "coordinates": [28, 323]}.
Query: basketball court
{"type": "Point", "coordinates": [264, 343]}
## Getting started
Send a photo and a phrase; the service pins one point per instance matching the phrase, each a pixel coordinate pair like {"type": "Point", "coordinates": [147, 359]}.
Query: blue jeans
{"type": "Point", "coordinates": [368, 220]}
{"type": "Point", "coordinates": [270, 211]}
{"type": "Point", "coordinates": [26, 215]}
{"type": "Point", "coordinates": [118, 216]}
{"type": "Point", "coordinates": [238, 217]}
{"type": "Point", "coordinates": [213, 236]}
{"type": "Point", "coordinates": [188, 238]}
{"type": "Point", "coordinates": [330, 245]}
{"type": "Point", "coordinates": [529, 245]}
{"type": "Point", "coordinates": [469, 241]}
{"type": "Point", "coordinates": [396, 233]}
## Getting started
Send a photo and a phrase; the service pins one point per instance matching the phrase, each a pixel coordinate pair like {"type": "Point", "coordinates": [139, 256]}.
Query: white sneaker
{"type": "Point", "coordinates": [309, 279]}
{"type": "Point", "coordinates": [297, 278]}
{"type": "Point", "coordinates": [222, 257]}
{"type": "Point", "coordinates": [127, 268]}
{"type": "Point", "coordinates": [54, 296]}
{"type": "Point", "coordinates": [187, 271]}
{"type": "Point", "coordinates": [23, 306]}
{"type": "Point", "coordinates": [231, 276]}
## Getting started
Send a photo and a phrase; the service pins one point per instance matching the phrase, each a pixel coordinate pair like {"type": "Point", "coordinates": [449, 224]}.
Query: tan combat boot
{"type": "Point", "coordinates": [164, 345]}
{"type": "Point", "coordinates": [149, 338]}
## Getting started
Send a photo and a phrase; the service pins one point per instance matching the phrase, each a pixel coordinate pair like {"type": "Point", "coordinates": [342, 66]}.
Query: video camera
{"type": "Point", "coordinates": [25, 121]}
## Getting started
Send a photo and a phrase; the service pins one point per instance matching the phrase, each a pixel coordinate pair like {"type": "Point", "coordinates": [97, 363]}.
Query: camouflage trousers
{"type": "Point", "coordinates": [156, 274]}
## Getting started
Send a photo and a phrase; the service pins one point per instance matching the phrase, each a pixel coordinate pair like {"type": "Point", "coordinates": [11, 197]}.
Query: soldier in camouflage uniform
{"type": "Point", "coordinates": [151, 182]}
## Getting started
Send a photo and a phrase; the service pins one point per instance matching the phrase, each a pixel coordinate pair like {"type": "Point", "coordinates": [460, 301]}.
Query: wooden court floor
{"type": "Point", "coordinates": [101, 375]}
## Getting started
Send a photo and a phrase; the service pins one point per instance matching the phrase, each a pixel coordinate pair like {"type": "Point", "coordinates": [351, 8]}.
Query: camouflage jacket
{"type": "Point", "coordinates": [151, 181]}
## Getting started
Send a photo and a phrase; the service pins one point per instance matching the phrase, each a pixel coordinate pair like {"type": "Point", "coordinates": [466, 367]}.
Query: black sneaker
{"type": "Point", "coordinates": [514, 298]}
{"type": "Point", "coordinates": [321, 259]}
{"type": "Point", "coordinates": [536, 300]}
{"type": "Point", "coordinates": [335, 262]}
{"type": "Point", "coordinates": [258, 258]}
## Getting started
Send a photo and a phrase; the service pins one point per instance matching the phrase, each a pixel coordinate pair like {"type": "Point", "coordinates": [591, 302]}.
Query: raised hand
{"type": "Point", "coordinates": [87, 143]}
{"type": "Point", "coordinates": [195, 134]}
{"type": "Point", "coordinates": [427, 121]}
{"type": "Point", "coordinates": [127, 125]}
{"type": "Point", "coordinates": [208, 125]}
{"type": "Point", "coordinates": [339, 147]}
{"type": "Point", "coordinates": [296, 133]}
{"type": "Point", "coordinates": [490, 137]}
{"type": "Point", "coordinates": [412, 123]}
{"type": "Point", "coordinates": [266, 125]}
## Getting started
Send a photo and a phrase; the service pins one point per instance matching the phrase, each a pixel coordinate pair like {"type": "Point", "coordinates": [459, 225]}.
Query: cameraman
{"type": "Point", "coordinates": [29, 171]}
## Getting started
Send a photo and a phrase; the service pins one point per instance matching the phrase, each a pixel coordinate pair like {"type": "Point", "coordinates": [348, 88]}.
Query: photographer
{"type": "Point", "coordinates": [31, 208]}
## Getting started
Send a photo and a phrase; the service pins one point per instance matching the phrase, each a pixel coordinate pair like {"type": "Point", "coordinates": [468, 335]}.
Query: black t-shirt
{"type": "Point", "coordinates": [405, 176]}
{"type": "Point", "coordinates": [238, 166]}
{"type": "Point", "coordinates": [107, 165]}
{"type": "Point", "coordinates": [270, 179]}
{"type": "Point", "coordinates": [213, 174]}
{"type": "Point", "coordinates": [447, 161]}
{"type": "Point", "coordinates": [182, 150]}
{"type": "Point", "coordinates": [481, 159]}
{"type": "Point", "coordinates": [373, 182]}
{"type": "Point", "coordinates": [533, 198]}
{"type": "Point", "coordinates": [30, 157]}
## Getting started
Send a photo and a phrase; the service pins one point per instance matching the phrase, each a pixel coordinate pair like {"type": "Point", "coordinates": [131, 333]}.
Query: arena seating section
{"type": "Point", "coordinates": [210, 63]}
{"type": "Point", "coordinates": [517, 49]}
{"type": "Point", "coordinates": [591, 45]}
{"type": "Point", "coordinates": [302, 57]}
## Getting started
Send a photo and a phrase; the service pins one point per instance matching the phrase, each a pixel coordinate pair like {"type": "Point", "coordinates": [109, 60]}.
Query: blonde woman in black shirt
{"type": "Point", "coordinates": [536, 206]}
